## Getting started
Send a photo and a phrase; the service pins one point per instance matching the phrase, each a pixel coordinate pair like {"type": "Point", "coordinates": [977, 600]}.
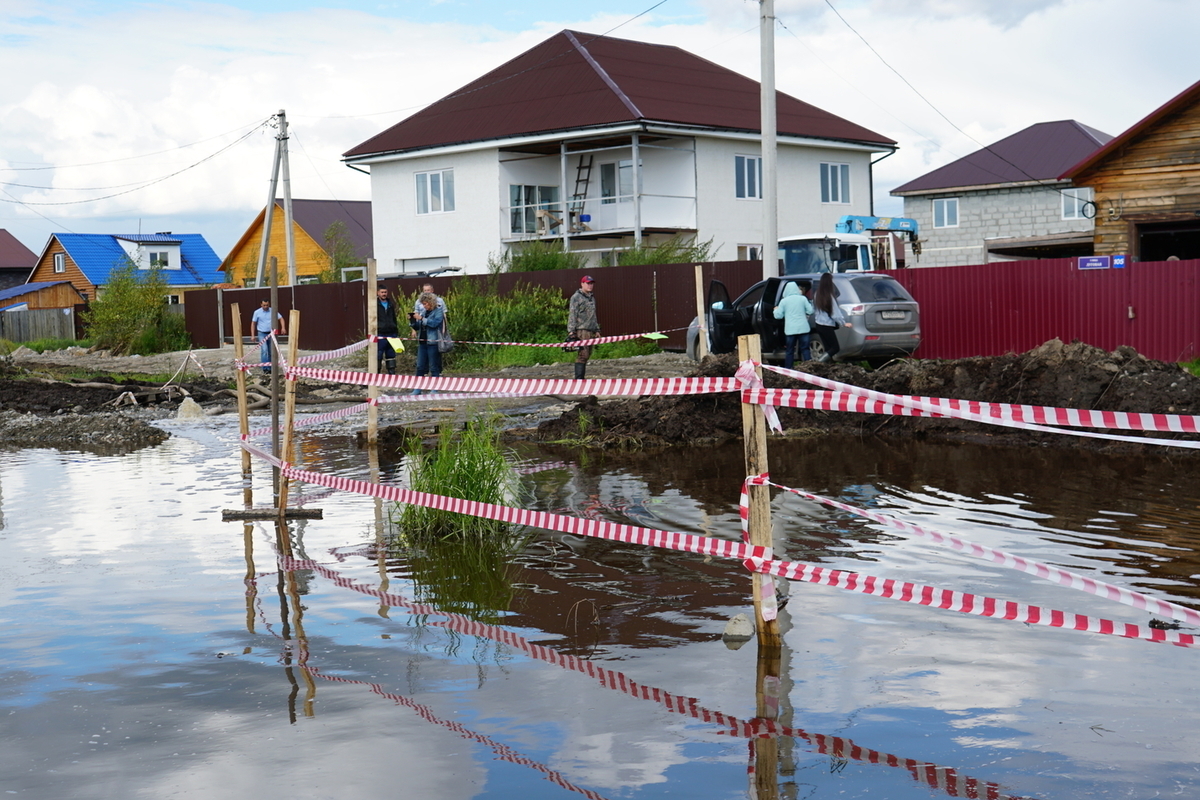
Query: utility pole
{"type": "Point", "coordinates": [269, 213]}
{"type": "Point", "coordinates": [770, 201]}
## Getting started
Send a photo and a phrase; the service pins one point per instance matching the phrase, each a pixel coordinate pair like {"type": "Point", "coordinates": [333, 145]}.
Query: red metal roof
{"type": "Point", "coordinates": [13, 254]}
{"type": "Point", "coordinates": [1038, 153]}
{"type": "Point", "coordinates": [576, 81]}
{"type": "Point", "coordinates": [1185, 98]}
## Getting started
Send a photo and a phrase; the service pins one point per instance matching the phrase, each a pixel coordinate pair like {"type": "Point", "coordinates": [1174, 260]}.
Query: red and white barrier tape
{"type": "Point", "coordinates": [919, 594]}
{"type": "Point", "coordinates": [767, 600]}
{"type": "Point", "coordinates": [880, 402]}
{"type": "Point", "coordinates": [329, 355]}
{"type": "Point", "coordinates": [938, 777]}
{"type": "Point", "coordinates": [1062, 577]}
{"type": "Point", "coordinates": [611, 387]}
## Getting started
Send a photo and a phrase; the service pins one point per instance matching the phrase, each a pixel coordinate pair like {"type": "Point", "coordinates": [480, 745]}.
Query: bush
{"type": "Point", "coordinates": [535, 255]}
{"type": "Point", "coordinates": [131, 315]}
{"type": "Point", "coordinates": [676, 250]}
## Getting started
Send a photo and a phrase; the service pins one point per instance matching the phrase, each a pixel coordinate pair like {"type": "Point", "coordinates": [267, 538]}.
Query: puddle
{"type": "Point", "coordinates": [150, 649]}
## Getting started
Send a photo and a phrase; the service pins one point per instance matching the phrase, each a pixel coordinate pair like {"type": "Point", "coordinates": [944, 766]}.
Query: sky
{"type": "Point", "coordinates": [127, 117]}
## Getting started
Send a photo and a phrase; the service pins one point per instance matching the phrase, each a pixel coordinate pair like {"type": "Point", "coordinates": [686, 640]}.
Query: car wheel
{"type": "Point", "coordinates": [816, 348]}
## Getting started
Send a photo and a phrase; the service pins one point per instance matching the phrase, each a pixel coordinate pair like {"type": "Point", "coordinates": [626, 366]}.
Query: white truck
{"type": "Point", "coordinates": [857, 244]}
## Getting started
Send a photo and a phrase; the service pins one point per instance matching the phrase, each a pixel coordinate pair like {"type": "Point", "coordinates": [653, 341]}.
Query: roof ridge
{"type": "Point", "coordinates": [604, 76]}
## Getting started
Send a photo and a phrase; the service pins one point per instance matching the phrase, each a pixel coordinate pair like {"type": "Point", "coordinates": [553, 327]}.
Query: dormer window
{"type": "Point", "coordinates": [160, 259]}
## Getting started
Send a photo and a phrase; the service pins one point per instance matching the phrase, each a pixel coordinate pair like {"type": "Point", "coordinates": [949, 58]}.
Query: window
{"type": "Point", "coordinates": [159, 260]}
{"type": "Point", "coordinates": [1074, 202]}
{"type": "Point", "coordinates": [524, 204]}
{"type": "Point", "coordinates": [616, 182]}
{"type": "Point", "coordinates": [435, 192]}
{"type": "Point", "coordinates": [747, 179]}
{"type": "Point", "coordinates": [945, 213]}
{"type": "Point", "coordinates": [60, 262]}
{"type": "Point", "coordinates": [172, 299]}
{"type": "Point", "coordinates": [835, 183]}
{"type": "Point", "coordinates": [749, 252]}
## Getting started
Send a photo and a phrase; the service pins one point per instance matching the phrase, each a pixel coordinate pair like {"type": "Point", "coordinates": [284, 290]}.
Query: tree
{"type": "Point", "coordinates": [340, 251]}
{"type": "Point", "coordinates": [130, 315]}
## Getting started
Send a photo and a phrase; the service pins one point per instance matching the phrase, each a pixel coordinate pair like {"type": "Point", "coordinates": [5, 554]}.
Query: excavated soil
{"type": "Point", "coordinates": [1066, 376]}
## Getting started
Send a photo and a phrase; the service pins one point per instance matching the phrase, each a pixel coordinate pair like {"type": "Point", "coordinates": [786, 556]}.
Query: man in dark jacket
{"type": "Point", "coordinates": [582, 322]}
{"type": "Point", "coordinates": [385, 326]}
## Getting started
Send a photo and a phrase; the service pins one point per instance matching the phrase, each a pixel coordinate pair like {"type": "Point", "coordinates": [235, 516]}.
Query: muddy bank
{"type": "Point", "coordinates": [1054, 374]}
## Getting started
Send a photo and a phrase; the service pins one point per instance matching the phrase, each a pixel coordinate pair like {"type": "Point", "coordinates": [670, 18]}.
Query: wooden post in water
{"type": "Point", "coordinates": [754, 435]}
{"type": "Point", "coordinates": [239, 352]}
{"type": "Point", "coordinates": [275, 373]}
{"type": "Point", "coordinates": [373, 351]}
{"type": "Point", "coordinates": [289, 416]}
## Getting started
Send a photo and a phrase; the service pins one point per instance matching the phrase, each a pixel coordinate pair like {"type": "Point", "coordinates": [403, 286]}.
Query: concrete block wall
{"type": "Point", "coordinates": [1001, 213]}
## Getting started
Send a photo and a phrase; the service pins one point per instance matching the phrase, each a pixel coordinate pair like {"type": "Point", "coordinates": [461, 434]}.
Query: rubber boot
{"type": "Point", "coordinates": [391, 366]}
{"type": "Point", "coordinates": [580, 369]}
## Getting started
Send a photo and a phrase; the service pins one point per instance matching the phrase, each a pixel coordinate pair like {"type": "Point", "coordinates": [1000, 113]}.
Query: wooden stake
{"type": "Point", "coordinates": [373, 350]}
{"type": "Point", "coordinates": [239, 351]}
{"type": "Point", "coordinates": [701, 314]}
{"type": "Point", "coordinates": [289, 416]}
{"type": "Point", "coordinates": [754, 435]}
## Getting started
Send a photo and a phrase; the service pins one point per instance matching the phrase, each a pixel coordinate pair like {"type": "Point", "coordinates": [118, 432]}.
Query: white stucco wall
{"type": "Point", "coordinates": [1000, 213]}
{"type": "Point", "coordinates": [464, 236]}
{"type": "Point", "coordinates": [731, 221]}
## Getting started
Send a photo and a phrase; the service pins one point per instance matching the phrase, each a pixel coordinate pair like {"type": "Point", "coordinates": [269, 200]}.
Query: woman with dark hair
{"type": "Point", "coordinates": [827, 316]}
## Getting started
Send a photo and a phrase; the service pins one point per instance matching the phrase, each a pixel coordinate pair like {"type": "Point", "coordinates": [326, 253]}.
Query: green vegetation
{"type": "Point", "coordinates": [42, 345]}
{"type": "Point", "coordinates": [340, 251]}
{"type": "Point", "coordinates": [131, 317]}
{"type": "Point", "coordinates": [478, 313]}
{"type": "Point", "coordinates": [1192, 366]}
{"type": "Point", "coordinates": [676, 250]}
{"type": "Point", "coordinates": [458, 562]}
{"type": "Point", "coordinates": [534, 255]}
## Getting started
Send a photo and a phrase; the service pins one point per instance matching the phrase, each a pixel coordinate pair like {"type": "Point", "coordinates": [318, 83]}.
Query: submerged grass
{"type": "Point", "coordinates": [459, 562]}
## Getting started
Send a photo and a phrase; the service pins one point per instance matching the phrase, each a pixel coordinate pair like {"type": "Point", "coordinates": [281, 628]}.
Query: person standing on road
{"type": "Point", "coordinates": [794, 309]}
{"type": "Point", "coordinates": [260, 329]}
{"type": "Point", "coordinates": [429, 330]}
{"type": "Point", "coordinates": [827, 316]}
{"type": "Point", "coordinates": [386, 327]}
{"type": "Point", "coordinates": [582, 322]}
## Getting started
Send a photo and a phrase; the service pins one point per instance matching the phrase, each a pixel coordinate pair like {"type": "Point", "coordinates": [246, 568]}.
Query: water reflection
{"type": "Point", "coordinates": [143, 616]}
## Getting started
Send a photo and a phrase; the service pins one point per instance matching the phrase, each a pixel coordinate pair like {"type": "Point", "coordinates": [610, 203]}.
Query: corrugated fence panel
{"type": "Point", "coordinates": [991, 309]}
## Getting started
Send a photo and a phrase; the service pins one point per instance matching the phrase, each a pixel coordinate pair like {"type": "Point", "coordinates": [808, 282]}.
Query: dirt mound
{"type": "Point", "coordinates": [1054, 374]}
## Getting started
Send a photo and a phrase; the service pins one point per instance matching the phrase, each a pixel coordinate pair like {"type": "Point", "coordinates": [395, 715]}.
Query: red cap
{"type": "Point", "coordinates": [587, 279]}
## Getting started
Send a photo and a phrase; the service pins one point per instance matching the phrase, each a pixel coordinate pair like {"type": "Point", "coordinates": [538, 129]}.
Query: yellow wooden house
{"type": "Point", "coordinates": [318, 226]}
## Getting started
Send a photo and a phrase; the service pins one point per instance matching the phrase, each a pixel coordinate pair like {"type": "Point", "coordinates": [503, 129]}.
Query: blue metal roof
{"type": "Point", "coordinates": [98, 254]}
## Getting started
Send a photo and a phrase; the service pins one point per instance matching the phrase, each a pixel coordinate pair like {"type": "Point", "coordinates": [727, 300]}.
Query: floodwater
{"type": "Point", "coordinates": [150, 649]}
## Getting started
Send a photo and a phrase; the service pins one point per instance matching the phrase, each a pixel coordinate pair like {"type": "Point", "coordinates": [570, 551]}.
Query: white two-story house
{"type": "Point", "coordinates": [598, 144]}
{"type": "Point", "coordinates": [1006, 202]}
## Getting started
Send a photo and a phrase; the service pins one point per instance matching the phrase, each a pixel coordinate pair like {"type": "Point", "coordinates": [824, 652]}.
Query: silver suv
{"type": "Point", "coordinates": [884, 321]}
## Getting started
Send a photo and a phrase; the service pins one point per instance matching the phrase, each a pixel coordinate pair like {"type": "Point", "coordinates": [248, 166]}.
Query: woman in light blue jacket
{"type": "Point", "coordinates": [794, 309]}
{"type": "Point", "coordinates": [828, 316]}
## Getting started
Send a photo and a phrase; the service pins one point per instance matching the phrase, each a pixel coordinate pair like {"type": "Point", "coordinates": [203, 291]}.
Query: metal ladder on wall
{"type": "Point", "coordinates": [583, 177]}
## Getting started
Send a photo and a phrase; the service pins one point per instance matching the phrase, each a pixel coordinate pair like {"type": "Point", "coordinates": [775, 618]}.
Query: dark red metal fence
{"type": "Point", "coordinates": [976, 310]}
{"type": "Point", "coordinates": [991, 309]}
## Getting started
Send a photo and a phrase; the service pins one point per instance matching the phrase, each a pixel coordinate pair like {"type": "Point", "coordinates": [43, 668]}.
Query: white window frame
{"type": "Point", "coordinates": [616, 181]}
{"type": "Point", "coordinates": [749, 252]}
{"type": "Point", "coordinates": [747, 177]}
{"type": "Point", "coordinates": [835, 183]}
{"type": "Point", "coordinates": [434, 191]}
{"type": "Point", "coordinates": [1073, 201]}
{"type": "Point", "coordinates": [60, 262]}
{"type": "Point", "coordinates": [159, 258]}
{"type": "Point", "coordinates": [527, 200]}
{"type": "Point", "coordinates": [945, 208]}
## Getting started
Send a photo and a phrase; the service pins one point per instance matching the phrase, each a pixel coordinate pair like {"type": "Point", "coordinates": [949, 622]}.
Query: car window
{"type": "Point", "coordinates": [879, 290]}
{"type": "Point", "coordinates": [752, 296]}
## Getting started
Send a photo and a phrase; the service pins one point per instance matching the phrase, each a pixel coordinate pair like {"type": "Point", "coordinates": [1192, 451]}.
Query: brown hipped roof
{"type": "Point", "coordinates": [13, 254]}
{"type": "Point", "coordinates": [1180, 101]}
{"type": "Point", "coordinates": [576, 81]}
{"type": "Point", "coordinates": [1038, 153]}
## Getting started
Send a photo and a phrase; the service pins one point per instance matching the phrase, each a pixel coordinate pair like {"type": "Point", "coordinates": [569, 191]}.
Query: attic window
{"type": "Point", "coordinates": [159, 259]}
{"type": "Point", "coordinates": [60, 262]}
